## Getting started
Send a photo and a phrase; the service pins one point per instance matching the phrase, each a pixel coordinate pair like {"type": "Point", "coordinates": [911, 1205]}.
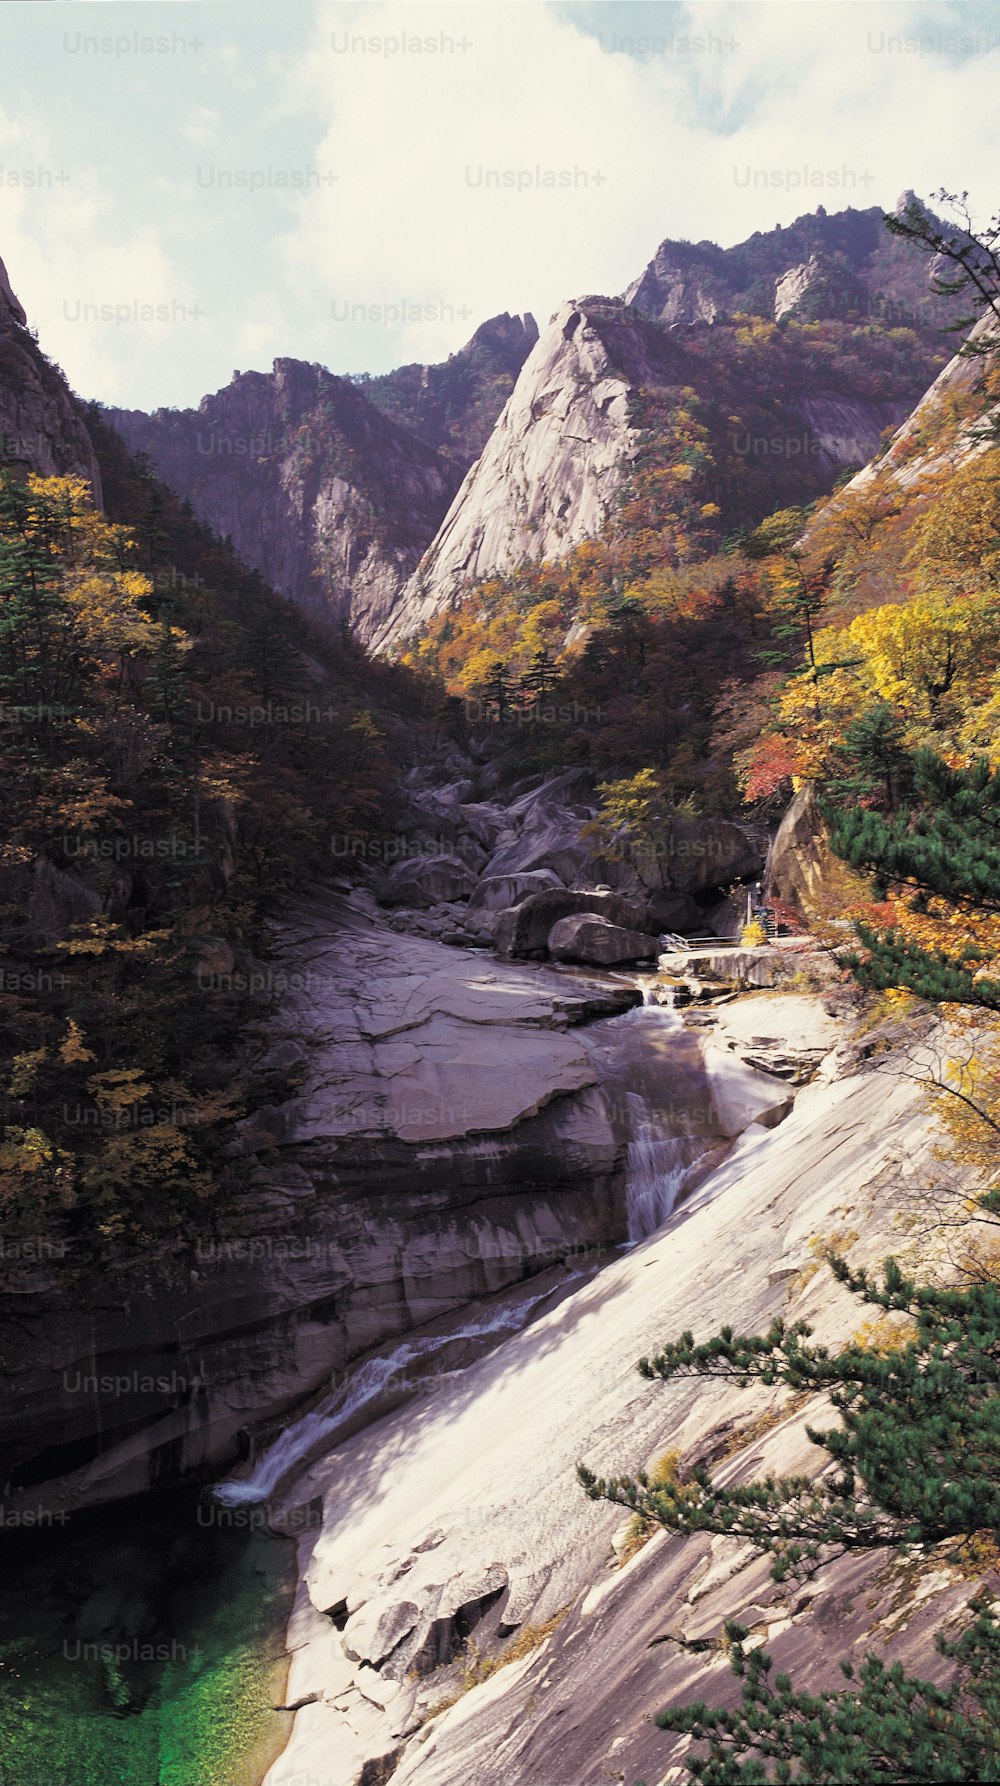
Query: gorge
{"type": "Point", "coordinates": [499, 873]}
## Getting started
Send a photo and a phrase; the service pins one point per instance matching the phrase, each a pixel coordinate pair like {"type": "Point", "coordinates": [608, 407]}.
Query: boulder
{"type": "Point", "coordinates": [496, 892]}
{"type": "Point", "coordinates": [482, 822]}
{"type": "Point", "coordinates": [524, 929]}
{"type": "Point", "coordinates": [698, 854]}
{"type": "Point", "coordinates": [550, 839]}
{"type": "Point", "coordinates": [427, 880]}
{"type": "Point", "coordinates": [748, 967]}
{"type": "Point", "coordinates": [801, 866]}
{"type": "Point", "coordinates": [713, 853]}
{"type": "Point", "coordinates": [569, 786]}
{"type": "Point", "coordinates": [589, 937]}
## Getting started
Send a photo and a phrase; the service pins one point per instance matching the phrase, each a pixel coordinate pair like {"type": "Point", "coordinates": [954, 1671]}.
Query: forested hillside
{"type": "Point", "coordinates": [179, 747]}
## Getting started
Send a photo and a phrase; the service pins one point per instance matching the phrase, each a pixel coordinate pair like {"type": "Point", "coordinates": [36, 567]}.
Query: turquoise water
{"type": "Point", "coordinates": [143, 1645]}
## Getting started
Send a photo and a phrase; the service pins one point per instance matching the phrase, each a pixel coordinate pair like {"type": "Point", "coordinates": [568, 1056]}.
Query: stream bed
{"type": "Point", "coordinates": [142, 1643]}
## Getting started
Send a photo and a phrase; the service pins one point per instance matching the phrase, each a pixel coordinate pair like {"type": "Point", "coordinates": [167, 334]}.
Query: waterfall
{"type": "Point", "coordinates": [664, 1111]}
{"type": "Point", "coordinates": [303, 1435]}
{"type": "Point", "coordinates": [371, 1379]}
{"type": "Point", "coordinates": [657, 1169]}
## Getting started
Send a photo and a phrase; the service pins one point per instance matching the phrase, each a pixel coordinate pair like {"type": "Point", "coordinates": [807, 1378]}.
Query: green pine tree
{"type": "Point", "coordinates": [876, 761]}
{"type": "Point", "coordinates": [893, 1727]}
{"type": "Point", "coordinates": [917, 1461]}
{"type": "Point", "coordinates": [945, 841]}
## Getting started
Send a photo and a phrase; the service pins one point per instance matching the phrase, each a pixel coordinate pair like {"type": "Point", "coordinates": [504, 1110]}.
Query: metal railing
{"type": "Point", "coordinates": [685, 944]}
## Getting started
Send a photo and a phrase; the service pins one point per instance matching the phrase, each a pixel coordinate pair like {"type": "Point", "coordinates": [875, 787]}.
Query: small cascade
{"type": "Point", "coordinates": [654, 1075]}
{"type": "Point", "coordinates": [299, 1439]}
{"type": "Point", "coordinates": [658, 1167]}
{"type": "Point", "coordinates": [371, 1380]}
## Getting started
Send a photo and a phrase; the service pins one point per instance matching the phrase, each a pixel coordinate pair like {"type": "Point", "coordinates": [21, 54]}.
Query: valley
{"type": "Point", "coordinates": [498, 884]}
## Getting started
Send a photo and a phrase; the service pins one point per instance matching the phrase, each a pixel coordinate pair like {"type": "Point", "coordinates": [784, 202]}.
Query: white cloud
{"type": "Point", "coordinates": [664, 139]}
{"type": "Point", "coordinates": [807, 96]}
{"type": "Point", "coordinates": [201, 126]}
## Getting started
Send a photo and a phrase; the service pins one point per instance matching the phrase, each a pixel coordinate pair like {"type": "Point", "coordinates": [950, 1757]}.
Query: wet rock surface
{"type": "Point", "coordinates": [473, 1494]}
{"type": "Point", "coordinates": [448, 1138]}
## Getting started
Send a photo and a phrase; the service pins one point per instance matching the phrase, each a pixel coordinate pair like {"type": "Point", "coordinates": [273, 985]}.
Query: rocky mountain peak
{"type": "Point", "coordinates": [9, 301]}
{"type": "Point", "coordinates": [552, 467]}
{"type": "Point", "coordinates": [855, 269]}
{"type": "Point", "coordinates": [683, 283]}
{"type": "Point", "coordinates": [505, 333]}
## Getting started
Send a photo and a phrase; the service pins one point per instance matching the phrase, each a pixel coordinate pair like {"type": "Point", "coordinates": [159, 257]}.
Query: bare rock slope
{"type": "Point", "coordinates": [460, 1515]}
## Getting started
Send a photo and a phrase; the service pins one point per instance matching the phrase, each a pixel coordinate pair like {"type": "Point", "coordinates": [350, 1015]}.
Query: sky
{"type": "Point", "coordinates": [189, 189]}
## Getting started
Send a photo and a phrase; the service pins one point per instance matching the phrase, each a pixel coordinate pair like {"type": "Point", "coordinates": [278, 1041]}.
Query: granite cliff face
{"type": "Point", "coordinates": [41, 428]}
{"type": "Point", "coordinates": [333, 487]}
{"type": "Point", "coordinates": [448, 1139]}
{"type": "Point", "coordinates": [550, 471]}
{"type": "Point", "coordinates": [318, 490]}
{"type": "Point", "coordinates": [562, 452]}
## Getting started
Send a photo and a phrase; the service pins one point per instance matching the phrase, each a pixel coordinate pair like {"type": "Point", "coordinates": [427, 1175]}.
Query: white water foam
{"type": "Point", "coordinates": [656, 1171]}
{"type": "Point", "coordinates": [370, 1380]}
{"type": "Point", "coordinates": [658, 1163]}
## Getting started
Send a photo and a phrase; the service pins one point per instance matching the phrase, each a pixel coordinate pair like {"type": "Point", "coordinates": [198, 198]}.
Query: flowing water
{"type": "Point", "coordinates": [367, 1384]}
{"type": "Point", "coordinates": [659, 1169]}
{"type": "Point", "coordinates": [206, 1591]}
{"type": "Point", "coordinates": [652, 1071]}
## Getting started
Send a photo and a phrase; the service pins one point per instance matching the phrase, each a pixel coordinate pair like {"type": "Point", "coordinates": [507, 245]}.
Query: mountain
{"type": "Point", "coordinates": [381, 500]}
{"type": "Point", "coordinates": [318, 490]}
{"type": "Point", "coordinates": [798, 408]}
{"type": "Point", "coordinates": [551, 468]}
{"type": "Point", "coordinates": [453, 406]}
{"type": "Point", "coordinates": [40, 425]}
{"type": "Point", "coordinates": [778, 410]}
{"type": "Point", "coordinates": [846, 265]}
{"type": "Point", "coordinates": [333, 487]}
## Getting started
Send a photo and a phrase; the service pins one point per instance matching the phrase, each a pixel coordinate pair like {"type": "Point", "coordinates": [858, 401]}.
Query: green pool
{"type": "Point", "coordinates": [142, 1645]}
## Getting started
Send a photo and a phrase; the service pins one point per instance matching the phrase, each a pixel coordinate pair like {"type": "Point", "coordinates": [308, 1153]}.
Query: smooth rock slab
{"type": "Point", "coordinates": [490, 1460]}
{"type": "Point", "coordinates": [451, 1079]}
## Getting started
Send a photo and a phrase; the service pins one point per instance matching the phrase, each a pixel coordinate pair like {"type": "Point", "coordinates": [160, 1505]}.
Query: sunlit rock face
{"type": "Point", "coordinates": [548, 475]}
{"type": "Point", "coordinates": [460, 1516]}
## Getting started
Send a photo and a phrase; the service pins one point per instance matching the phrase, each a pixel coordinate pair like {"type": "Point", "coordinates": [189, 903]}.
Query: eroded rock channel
{"type": "Point", "coordinates": [462, 1124]}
